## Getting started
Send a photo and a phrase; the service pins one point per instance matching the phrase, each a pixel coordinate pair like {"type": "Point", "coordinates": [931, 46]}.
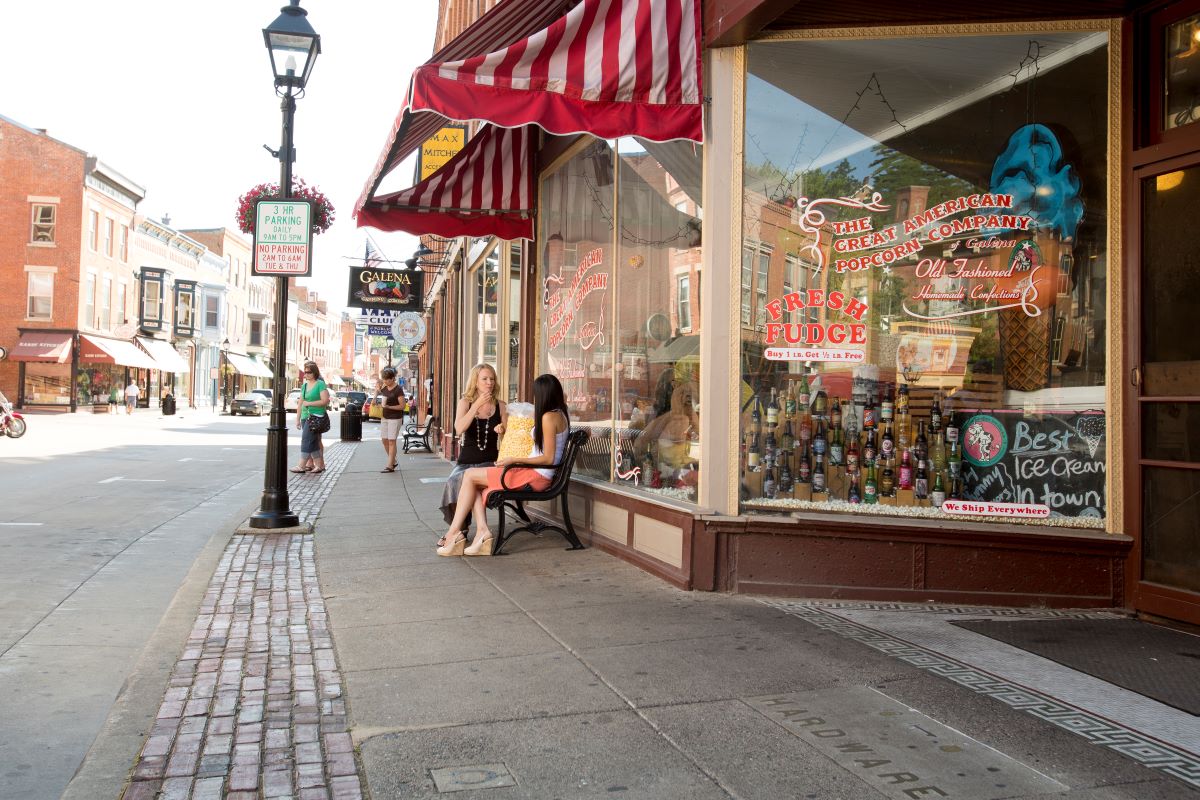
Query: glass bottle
{"type": "Point", "coordinates": [773, 410]}
{"type": "Point", "coordinates": [785, 473]}
{"type": "Point", "coordinates": [955, 489]}
{"type": "Point", "coordinates": [887, 479]}
{"type": "Point", "coordinates": [835, 414]}
{"type": "Point", "coordinates": [755, 414]}
{"type": "Point", "coordinates": [902, 399]}
{"type": "Point", "coordinates": [870, 449]}
{"type": "Point", "coordinates": [770, 484]}
{"type": "Point", "coordinates": [854, 494]}
{"type": "Point", "coordinates": [937, 455]}
{"type": "Point", "coordinates": [806, 426]}
{"type": "Point", "coordinates": [906, 470]}
{"type": "Point", "coordinates": [789, 402]}
{"type": "Point", "coordinates": [852, 460]}
{"type": "Point", "coordinates": [803, 396]}
{"type": "Point", "coordinates": [819, 442]}
{"type": "Point", "coordinates": [820, 403]}
{"type": "Point", "coordinates": [887, 444]}
{"type": "Point", "coordinates": [887, 408]}
{"type": "Point", "coordinates": [818, 476]}
{"type": "Point", "coordinates": [922, 446]}
{"type": "Point", "coordinates": [754, 455]}
{"type": "Point", "coordinates": [938, 495]}
{"type": "Point", "coordinates": [870, 489]}
{"type": "Point", "coordinates": [935, 414]}
{"type": "Point", "coordinates": [770, 449]}
{"type": "Point", "coordinates": [787, 442]}
{"type": "Point", "coordinates": [921, 481]}
{"type": "Point", "coordinates": [954, 460]}
{"type": "Point", "coordinates": [870, 414]}
{"type": "Point", "coordinates": [804, 467]}
{"type": "Point", "coordinates": [851, 423]}
{"type": "Point", "coordinates": [837, 448]}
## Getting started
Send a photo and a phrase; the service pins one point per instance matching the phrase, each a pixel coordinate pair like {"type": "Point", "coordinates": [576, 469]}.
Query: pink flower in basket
{"type": "Point", "coordinates": [323, 212]}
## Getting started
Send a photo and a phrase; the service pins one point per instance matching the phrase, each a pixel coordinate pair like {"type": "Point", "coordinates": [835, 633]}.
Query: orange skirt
{"type": "Point", "coordinates": [517, 478]}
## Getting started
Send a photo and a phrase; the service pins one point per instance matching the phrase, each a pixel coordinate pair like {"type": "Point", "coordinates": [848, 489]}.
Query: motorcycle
{"type": "Point", "coordinates": [12, 424]}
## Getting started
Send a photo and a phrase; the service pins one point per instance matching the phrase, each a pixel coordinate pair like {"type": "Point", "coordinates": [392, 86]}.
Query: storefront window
{"type": "Point", "coordinates": [620, 240]}
{"type": "Point", "coordinates": [152, 299]}
{"type": "Point", "coordinates": [925, 266]}
{"type": "Point", "coordinates": [511, 373]}
{"type": "Point", "coordinates": [47, 384]}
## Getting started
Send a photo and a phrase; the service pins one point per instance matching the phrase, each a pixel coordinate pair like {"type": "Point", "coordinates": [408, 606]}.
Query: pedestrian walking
{"type": "Point", "coordinates": [478, 422]}
{"type": "Point", "coordinates": [312, 418]}
{"type": "Point", "coordinates": [394, 406]}
{"type": "Point", "coordinates": [132, 391]}
{"type": "Point", "coordinates": [429, 396]}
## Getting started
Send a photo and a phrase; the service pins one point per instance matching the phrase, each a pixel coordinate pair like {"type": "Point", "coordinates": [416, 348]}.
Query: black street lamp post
{"type": "Point", "coordinates": [225, 377]}
{"type": "Point", "coordinates": [391, 347]}
{"type": "Point", "coordinates": [293, 46]}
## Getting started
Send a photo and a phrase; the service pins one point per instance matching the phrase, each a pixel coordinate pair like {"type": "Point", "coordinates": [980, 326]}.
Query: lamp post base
{"type": "Point", "coordinates": [270, 520]}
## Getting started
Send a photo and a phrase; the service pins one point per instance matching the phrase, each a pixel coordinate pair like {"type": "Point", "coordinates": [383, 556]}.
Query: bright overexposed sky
{"type": "Point", "coordinates": [179, 97]}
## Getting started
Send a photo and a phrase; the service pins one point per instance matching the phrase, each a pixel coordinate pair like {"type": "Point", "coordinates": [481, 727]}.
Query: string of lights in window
{"type": "Point", "coordinates": [689, 231]}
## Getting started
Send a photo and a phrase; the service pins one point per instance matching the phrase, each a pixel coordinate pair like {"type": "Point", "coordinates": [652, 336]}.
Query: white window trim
{"type": "Point", "coordinates": [93, 242]}
{"type": "Point", "coordinates": [51, 271]}
{"type": "Point", "coordinates": [34, 203]}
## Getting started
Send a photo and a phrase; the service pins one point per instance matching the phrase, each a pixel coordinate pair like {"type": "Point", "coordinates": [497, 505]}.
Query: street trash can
{"type": "Point", "coordinates": [168, 405]}
{"type": "Point", "coordinates": [352, 423]}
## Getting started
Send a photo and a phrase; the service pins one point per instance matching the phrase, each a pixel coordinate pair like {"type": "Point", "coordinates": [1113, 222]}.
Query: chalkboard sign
{"type": "Point", "coordinates": [1054, 458]}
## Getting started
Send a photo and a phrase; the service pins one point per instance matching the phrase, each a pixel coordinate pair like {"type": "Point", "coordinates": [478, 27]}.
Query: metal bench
{"type": "Point", "coordinates": [513, 499]}
{"type": "Point", "coordinates": [417, 436]}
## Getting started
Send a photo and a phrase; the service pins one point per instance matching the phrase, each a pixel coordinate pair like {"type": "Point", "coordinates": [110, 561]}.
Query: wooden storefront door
{"type": "Point", "coordinates": [1164, 487]}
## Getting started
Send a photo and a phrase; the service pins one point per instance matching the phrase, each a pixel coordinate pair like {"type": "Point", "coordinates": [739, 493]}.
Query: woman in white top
{"type": "Point", "coordinates": [550, 429]}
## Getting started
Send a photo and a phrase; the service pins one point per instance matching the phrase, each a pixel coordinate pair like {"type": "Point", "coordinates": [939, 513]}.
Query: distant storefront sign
{"type": "Point", "coordinates": [440, 148]}
{"type": "Point", "coordinates": [386, 289]}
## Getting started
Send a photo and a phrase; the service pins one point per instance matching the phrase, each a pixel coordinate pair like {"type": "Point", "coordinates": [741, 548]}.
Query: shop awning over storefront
{"type": "Point", "coordinates": [485, 190]}
{"type": "Point", "coordinates": [49, 346]}
{"type": "Point", "coordinates": [166, 356]}
{"type": "Point", "coordinates": [102, 350]}
{"type": "Point", "coordinates": [248, 366]}
{"type": "Point", "coordinates": [609, 68]}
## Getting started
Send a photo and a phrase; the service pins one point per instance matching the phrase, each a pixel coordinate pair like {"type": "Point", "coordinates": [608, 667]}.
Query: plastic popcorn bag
{"type": "Point", "coordinates": [517, 442]}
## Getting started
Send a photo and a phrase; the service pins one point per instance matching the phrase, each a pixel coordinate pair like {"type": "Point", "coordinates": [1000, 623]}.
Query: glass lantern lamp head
{"type": "Point", "coordinates": [911, 372]}
{"type": "Point", "coordinates": [293, 46]}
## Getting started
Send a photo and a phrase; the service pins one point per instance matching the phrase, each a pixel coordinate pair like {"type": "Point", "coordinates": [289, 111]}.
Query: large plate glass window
{"type": "Point", "coordinates": [924, 276]}
{"type": "Point", "coordinates": [619, 273]}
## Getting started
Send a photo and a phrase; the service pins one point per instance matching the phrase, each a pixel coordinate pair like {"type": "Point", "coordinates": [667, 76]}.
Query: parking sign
{"type": "Point", "coordinates": [283, 238]}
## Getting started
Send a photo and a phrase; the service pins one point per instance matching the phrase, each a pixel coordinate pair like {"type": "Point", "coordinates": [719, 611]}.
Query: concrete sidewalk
{"type": "Point", "coordinates": [547, 673]}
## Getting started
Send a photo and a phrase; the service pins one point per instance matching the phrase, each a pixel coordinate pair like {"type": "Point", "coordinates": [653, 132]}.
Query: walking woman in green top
{"type": "Point", "coordinates": [314, 400]}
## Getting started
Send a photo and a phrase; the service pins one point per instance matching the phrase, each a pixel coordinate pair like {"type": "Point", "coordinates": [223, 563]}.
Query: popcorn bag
{"type": "Point", "coordinates": [517, 442]}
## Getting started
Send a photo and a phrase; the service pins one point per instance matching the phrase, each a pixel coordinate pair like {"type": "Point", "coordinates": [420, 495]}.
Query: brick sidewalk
{"type": "Point", "coordinates": [255, 706]}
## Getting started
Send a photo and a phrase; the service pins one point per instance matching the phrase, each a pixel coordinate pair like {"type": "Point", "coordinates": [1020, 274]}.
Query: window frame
{"type": "Point", "coordinates": [184, 318]}
{"type": "Point", "coordinates": [94, 230]}
{"type": "Point", "coordinates": [29, 295]}
{"type": "Point", "coordinates": [109, 230]}
{"type": "Point", "coordinates": [148, 277]}
{"type": "Point", "coordinates": [683, 301]}
{"type": "Point", "coordinates": [35, 223]}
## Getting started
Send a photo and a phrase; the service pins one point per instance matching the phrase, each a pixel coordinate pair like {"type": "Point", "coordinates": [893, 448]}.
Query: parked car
{"type": "Point", "coordinates": [335, 402]}
{"type": "Point", "coordinates": [353, 398]}
{"type": "Point", "coordinates": [292, 401]}
{"type": "Point", "coordinates": [267, 393]}
{"type": "Point", "coordinates": [249, 403]}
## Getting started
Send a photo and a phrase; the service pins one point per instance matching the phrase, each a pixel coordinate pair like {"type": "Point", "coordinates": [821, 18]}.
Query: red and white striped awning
{"type": "Point", "coordinates": [609, 68]}
{"type": "Point", "coordinates": [486, 189]}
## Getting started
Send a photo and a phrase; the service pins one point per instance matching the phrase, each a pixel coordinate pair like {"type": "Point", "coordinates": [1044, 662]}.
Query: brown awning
{"type": "Point", "coordinates": [101, 350]}
{"type": "Point", "coordinates": [49, 346]}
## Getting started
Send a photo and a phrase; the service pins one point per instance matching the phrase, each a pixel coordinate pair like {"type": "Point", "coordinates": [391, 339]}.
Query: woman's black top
{"type": "Point", "coordinates": [480, 432]}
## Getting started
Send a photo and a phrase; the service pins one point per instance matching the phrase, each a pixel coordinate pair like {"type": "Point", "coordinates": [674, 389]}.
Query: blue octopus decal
{"type": "Point", "coordinates": [1031, 169]}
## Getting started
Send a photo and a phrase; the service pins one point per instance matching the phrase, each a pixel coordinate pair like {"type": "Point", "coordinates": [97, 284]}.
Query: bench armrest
{"type": "Point", "coordinates": [507, 467]}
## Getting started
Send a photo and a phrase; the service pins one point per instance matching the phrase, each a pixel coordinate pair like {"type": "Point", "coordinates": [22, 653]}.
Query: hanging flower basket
{"type": "Point", "coordinates": [323, 212]}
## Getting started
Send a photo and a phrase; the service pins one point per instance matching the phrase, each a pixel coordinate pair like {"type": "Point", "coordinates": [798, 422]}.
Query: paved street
{"type": "Point", "coordinates": [102, 521]}
{"type": "Point", "coordinates": [194, 662]}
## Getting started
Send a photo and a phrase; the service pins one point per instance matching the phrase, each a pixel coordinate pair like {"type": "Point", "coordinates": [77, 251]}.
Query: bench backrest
{"type": "Point", "coordinates": [576, 439]}
{"type": "Point", "coordinates": [430, 424]}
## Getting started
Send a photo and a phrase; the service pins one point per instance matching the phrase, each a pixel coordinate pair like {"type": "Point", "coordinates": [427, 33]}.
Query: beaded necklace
{"type": "Point", "coordinates": [481, 440]}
